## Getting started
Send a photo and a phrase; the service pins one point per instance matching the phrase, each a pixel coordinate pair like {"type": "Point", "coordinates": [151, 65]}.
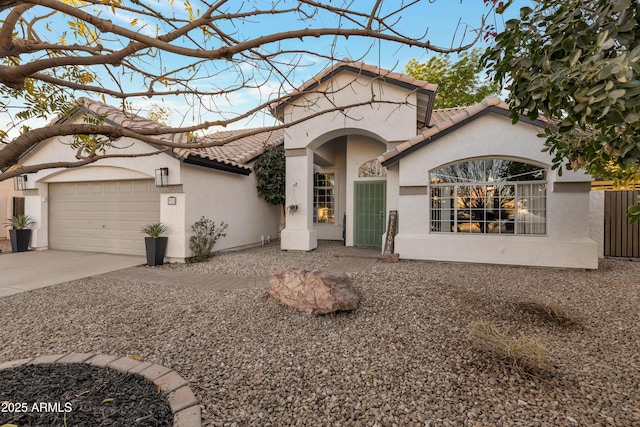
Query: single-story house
{"type": "Point", "coordinates": [103, 206]}
{"type": "Point", "coordinates": [465, 184]}
{"type": "Point", "coordinates": [364, 151]}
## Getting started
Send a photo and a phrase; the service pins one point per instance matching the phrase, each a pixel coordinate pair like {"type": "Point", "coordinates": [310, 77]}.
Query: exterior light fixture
{"type": "Point", "coordinates": [171, 200]}
{"type": "Point", "coordinates": [20, 183]}
{"type": "Point", "coordinates": [162, 177]}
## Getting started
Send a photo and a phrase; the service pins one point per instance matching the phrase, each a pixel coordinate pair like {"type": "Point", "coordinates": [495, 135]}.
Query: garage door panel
{"type": "Point", "coordinates": [79, 206]}
{"type": "Point", "coordinates": [110, 189]}
{"type": "Point", "coordinates": [139, 187]}
{"type": "Point", "coordinates": [125, 206]}
{"type": "Point", "coordinates": [125, 187]}
{"type": "Point", "coordinates": [141, 206]}
{"type": "Point", "coordinates": [111, 206]}
{"type": "Point", "coordinates": [98, 187]}
{"type": "Point", "coordinates": [102, 216]}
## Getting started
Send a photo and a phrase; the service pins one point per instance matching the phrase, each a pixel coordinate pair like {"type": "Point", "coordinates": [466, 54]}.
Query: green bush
{"type": "Point", "coordinates": [270, 172]}
{"type": "Point", "coordinates": [206, 234]}
{"type": "Point", "coordinates": [20, 222]}
{"type": "Point", "coordinates": [155, 230]}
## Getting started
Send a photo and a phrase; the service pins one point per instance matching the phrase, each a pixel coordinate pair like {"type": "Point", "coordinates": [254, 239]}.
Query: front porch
{"type": "Point", "coordinates": [344, 195]}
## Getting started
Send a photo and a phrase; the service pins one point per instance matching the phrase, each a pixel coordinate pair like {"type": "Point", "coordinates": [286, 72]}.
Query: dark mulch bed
{"type": "Point", "coordinates": [79, 395]}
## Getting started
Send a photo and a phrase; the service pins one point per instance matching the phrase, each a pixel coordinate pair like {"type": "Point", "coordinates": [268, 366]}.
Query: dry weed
{"type": "Point", "coordinates": [552, 312]}
{"type": "Point", "coordinates": [525, 354]}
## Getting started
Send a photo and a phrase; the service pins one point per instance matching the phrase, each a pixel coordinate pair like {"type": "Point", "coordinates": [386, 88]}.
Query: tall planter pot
{"type": "Point", "coordinates": [156, 248]}
{"type": "Point", "coordinates": [20, 239]}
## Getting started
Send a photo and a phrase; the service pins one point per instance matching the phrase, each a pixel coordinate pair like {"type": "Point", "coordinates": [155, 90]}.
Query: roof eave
{"type": "Point", "coordinates": [215, 164]}
{"type": "Point", "coordinates": [491, 109]}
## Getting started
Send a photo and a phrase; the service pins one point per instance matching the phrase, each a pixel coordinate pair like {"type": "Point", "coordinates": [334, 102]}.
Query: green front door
{"type": "Point", "coordinates": [369, 212]}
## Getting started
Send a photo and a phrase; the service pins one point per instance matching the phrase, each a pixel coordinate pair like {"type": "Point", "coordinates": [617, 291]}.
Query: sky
{"type": "Point", "coordinates": [447, 24]}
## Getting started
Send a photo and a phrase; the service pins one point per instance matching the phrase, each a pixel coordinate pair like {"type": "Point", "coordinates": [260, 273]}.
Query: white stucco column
{"type": "Point", "coordinates": [36, 205]}
{"type": "Point", "coordinates": [172, 214]}
{"type": "Point", "coordinates": [299, 233]}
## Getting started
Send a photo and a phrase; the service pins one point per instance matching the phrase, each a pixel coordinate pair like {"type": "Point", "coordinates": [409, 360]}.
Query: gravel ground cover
{"type": "Point", "coordinates": [265, 260]}
{"type": "Point", "coordinates": [403, 358]}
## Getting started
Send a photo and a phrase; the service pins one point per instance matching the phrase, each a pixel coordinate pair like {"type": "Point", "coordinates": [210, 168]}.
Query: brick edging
{"type": "Point", "coordinates": [184, 404]}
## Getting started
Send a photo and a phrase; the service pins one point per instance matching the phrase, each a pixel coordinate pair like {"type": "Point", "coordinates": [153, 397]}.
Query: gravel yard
{"type": "Point", "coordinates": [403, 358]}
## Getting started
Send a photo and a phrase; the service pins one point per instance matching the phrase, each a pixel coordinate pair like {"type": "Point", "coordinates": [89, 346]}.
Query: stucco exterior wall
{"type": "Point", "coordinates": [390, 122]}
{"type": "Point", "coordinates": [232, 198]}
{"type": "Point", "coordinates": [6, 205]}
{"type": "Point", "coordinates": [567, 242]}
{"type": "Point", "coordinates": [596, 225]}
{"type": "Point", "coordinates": [299, 233]}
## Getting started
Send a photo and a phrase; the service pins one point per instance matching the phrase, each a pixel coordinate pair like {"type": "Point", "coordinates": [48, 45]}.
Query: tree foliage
{"type": "Point", "coordinates": [270, 171]}
{"type": "Point", "coordinates": [199, 53]}
{"type": "Point", "coordinates": [460, 83]}
{"type": "Point", "coordinates": [576, 62]}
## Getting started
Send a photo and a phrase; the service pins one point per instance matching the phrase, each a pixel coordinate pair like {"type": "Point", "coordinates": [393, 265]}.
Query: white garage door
{"type": "Point", "coordinates": [102, 216]}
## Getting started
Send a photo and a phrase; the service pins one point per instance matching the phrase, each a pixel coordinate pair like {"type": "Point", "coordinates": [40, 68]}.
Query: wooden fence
{"type": "Point", "coordinates": [621, 239]}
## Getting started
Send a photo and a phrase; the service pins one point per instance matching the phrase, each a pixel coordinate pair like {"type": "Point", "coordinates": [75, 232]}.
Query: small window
{"type": "Point", "coordinates": [324, 198]}
{"type": "Point", "coordinates": [372, 168]}
{"type": "Point", "coordinates": [489, 196]}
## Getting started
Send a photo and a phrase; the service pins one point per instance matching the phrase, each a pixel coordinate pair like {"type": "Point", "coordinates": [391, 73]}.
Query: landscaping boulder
{"type": "Point", "coordinates": [314, 292]}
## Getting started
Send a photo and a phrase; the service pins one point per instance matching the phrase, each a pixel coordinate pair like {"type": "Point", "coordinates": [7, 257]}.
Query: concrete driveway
{"type": "Point", "coordinates": [24, 271]}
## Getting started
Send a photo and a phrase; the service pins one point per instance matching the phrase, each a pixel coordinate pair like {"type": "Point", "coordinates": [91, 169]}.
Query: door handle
{"type": "Point", "coordinates": [381, 214]}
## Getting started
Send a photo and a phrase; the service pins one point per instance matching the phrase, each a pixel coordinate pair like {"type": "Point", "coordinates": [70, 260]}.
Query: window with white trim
{"type": "Point", "coordinates": [324, 197]}
{"type": "Point", "coordinates": [489, 196]}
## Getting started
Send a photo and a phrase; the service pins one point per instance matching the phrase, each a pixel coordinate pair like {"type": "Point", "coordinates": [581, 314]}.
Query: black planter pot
{"type": "Point", "coordinates": [20, 239]}
{"type": "Point", "coordinates": [156, 248]}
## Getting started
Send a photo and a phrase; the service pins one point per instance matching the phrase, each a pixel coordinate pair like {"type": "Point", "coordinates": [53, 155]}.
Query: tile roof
{"type": "Point", "coordinates": [240, 150]}
{"type": "Point", "coordinates": [442, 120]}
{"type": "Point", "coordinates": [233, 148]}
{"type": "Point", "coordinates": [442, 115]}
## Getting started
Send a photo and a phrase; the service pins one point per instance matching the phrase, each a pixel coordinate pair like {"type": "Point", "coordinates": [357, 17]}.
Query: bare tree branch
{"type": "Point", "coordinates": [11, 154]}
{"type": "Point", "coordinates": [53, 52]}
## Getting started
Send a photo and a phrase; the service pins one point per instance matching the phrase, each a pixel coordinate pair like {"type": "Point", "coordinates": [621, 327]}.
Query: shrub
{"type": "Point", "coordinates": [270, 170]}
{"type": "Point", "coordinates": [155, 230]}
{"type": "Point", "coordinates": [206, 234]}
{"type": "Point", "coordinates": [20, 222]}
{"type": "Point", "coordinates": [525, 354]}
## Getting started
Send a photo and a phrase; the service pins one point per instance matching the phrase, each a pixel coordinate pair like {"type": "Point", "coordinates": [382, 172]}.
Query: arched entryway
{"type": "Point", "coordinates": [376, 110]}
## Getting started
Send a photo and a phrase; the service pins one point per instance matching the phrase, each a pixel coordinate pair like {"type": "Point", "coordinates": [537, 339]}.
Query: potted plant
{"type": "Point", "coordinates": [20, 232]}
{"type": "Point", "coordinates": [155, 244]}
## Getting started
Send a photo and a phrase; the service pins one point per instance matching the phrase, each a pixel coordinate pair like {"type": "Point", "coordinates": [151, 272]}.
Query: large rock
{"type": "Point", "coordinates": [314, 292]}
